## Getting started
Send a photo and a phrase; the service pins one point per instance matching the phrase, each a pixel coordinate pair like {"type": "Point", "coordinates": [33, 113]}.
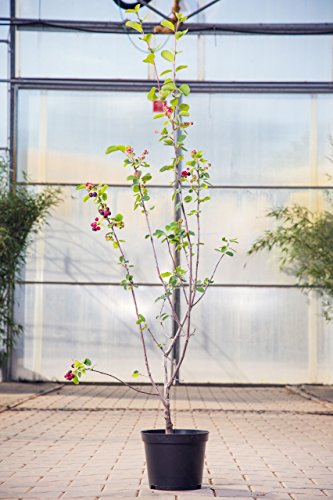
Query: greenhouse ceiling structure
{"type": "Point", "coordinates": [72, 82]}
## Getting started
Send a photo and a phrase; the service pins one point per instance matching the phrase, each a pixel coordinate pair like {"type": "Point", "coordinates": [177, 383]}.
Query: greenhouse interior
{"type": "Point", "coordinates": [260, 96]}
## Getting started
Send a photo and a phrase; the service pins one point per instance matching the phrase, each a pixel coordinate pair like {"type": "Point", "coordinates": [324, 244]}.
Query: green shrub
{"type": "Point", "coordinates": [305, 243]}
{"type": "Point", "coordinates": [22, 213]}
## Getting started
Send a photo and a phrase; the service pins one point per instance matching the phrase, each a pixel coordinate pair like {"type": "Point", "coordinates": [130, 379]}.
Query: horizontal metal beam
{"type": "Point", "coordinates": [210, 87]}
{"type": "Point", "coordinates": [150, 284]}
{"type": "Point", "coordinates": [167, 186]}
{"type": "Point", "coordinates": [283, 29]}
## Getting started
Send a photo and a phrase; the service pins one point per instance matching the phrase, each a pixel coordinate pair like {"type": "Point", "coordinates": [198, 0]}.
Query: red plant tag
{"type": "Point", "coordinates": [158, 106]}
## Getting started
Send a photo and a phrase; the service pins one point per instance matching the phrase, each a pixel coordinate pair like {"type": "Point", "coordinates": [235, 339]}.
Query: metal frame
{"type": "Point", "coordinates": [298, 29]}
{"type": "Point", "coordinates": [132, 85]}
{"type": "Point", "coordinates": [210, 87]}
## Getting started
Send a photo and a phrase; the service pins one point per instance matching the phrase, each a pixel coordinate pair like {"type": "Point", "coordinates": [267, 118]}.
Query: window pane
{"type": "Point", "coordinates": [64, 323]}
{"type": "Point", "coordinates": [324, 137]}
{"type": "Point", "coordinates": [3, 60]}
{"type": "Point", "coordinates": [325, 352]}
{"type": "Point", "coordinates": [249, 335]}
{"type": "Point", "coordinates": [267, 11]}
{"type": "Point", "coordinates": [63, 135]}
{"type": "Point", "coordinates": [268, 58]}
{"type": "Point", "coordinates": [236, 58]}
{"type": "Point", "coordinates": [81, 10]}
{"type": "Point", "coordinates": [285, 139]}
{"type": "Point", "coordinates": [4, 114]}
{"type": "Point", "coordinates": [242, 214]}
{"type": "Point", "coordinates": [263, 140]}
{"type": "Point", "coordinates": [68, 250]}
{"type": "Point", "coordinates": [235, 11]}
{"type": "Point", "coordinates": [89, 55]}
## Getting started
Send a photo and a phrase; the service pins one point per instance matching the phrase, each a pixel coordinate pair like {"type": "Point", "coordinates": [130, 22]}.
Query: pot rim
{"type": "Point", "coordinates": [185, 436]}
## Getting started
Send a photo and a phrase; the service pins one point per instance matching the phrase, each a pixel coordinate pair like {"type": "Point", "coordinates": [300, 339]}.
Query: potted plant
{"type": "Point", "coordinates": [174, 456]}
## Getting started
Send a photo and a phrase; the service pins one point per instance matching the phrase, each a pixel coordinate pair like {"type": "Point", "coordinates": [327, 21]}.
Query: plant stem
{"type": "Point", "coordinates": [123, 382]}
{"type": "Point", "coordinates": [143, 342]}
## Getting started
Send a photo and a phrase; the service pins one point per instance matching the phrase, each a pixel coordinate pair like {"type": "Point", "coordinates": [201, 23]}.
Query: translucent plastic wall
{"type": "Point", "coordinates": [267, 150]}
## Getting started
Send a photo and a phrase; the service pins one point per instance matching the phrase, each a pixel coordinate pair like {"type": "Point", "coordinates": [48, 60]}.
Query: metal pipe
{"type": "Point", "coordinates": [132, 85]}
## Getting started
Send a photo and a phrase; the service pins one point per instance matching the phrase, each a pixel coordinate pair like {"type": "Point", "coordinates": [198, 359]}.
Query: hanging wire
{"type": "Point", "coordinates": [132, 41]}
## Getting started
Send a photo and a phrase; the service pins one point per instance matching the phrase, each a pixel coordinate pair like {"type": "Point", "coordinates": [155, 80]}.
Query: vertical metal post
{"type": "Point", "coordinates": [12, 97]}
{"type": "Point", "coordinates": [7, 371]}
{"type": "Point", "coordinates": [313, 313]}
{"type": "Point", "coordinates": [176, 293]}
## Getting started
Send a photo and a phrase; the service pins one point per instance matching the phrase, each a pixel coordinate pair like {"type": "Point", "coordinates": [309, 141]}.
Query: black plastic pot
{"type": "Point", "coordinates": [175, 461]}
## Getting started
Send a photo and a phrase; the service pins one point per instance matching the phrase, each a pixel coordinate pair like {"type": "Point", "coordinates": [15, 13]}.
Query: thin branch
{"type": "Point", "coordinates": [211, 278]}
{"type": "Point", "coordinates": [138, 317]}
{"type": "Point", "coordinates": [123, 382]}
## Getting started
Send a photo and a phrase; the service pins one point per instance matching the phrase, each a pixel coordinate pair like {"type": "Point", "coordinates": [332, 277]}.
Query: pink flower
{"type": "Point", "coordinates": [185, 173]}
{"type": "Point", "coordinates": [167, 110]}
{"type": "Point", "coordinates": [130, 151]}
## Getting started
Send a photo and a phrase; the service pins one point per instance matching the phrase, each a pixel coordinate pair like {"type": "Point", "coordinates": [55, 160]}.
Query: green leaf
{"type": "Point", "coordinates": [87, 362]}
{"type": "Point", "coordinates": [200, 289]}
{"type": "Point", "coordinates": [75, 380]}
{"type": "Point", "coordinates": [185, 89]}
{"type": "Point", "coordinates": [112, 149]}
{"type": "Point", "coordinates": [81, 186]}
{"type": "Point", "coordinates": [181, 18]}
{"type": "Point", "coordinates": [150, 59]}
{"type": "Point", "coordinates": [231, 254]}
{"type": "Point", "coordinates": [135, 374]}
{"type": "Point", "coordinates": [182, 66]}
{"type": "Point", "coordinates": [187, 199]}
{"type": "Point", "coordinates": [166, 71]}
{"type": "Point", "coordinates": [135, 10]}
{"type": "Point", "coordinates": [141, 319]}
{"type": "Point", "coordinates": [146, 177]}
{"type": "Point", "coordinates": [159, 115]}
{"type": "Point", "coordinates": [119, 217]}
{"type": "Point", "coordinates": [165, 275]}
{"type": "Point", "coordinates": [169, 56]}
{"type": "Point", "coordinates": [179, 34]}
{"type": "Point", "coordinates": [86, 197]}
{"type": "Point", "coordinates": [166, 167]}
{"type": "Point", "coordinates": [207, 198]}
{"type": "Point", "coordinates": [151, 96]}
{"type": "Point", "coordinates": [147, 38]}
{"type": "Point", "coordinates": [169, 87]}
{"type": "Point", "coordinates": [103, 189]}
{"type": "Point", "coordinates": [168, 24]}
{"type": "Point", "coordinates": [135, 26]}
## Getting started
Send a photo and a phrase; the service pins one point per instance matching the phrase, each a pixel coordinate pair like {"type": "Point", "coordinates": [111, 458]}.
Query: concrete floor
{"type": "Point", "coordinates": [63, 441]}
